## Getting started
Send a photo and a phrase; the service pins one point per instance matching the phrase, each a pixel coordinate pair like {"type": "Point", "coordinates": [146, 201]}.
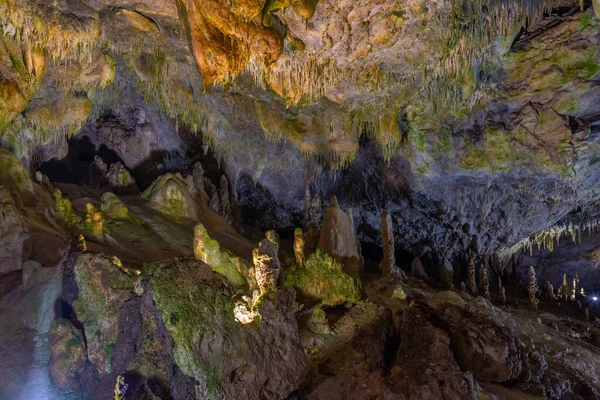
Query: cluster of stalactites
{"type": "Point", "coordinates": [547, 239]}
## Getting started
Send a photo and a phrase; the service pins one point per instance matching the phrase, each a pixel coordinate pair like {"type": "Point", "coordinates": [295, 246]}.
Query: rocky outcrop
{"type": "Point", "coordinates": [187, 343]}
{"type": "Point", "coordinates": [101, 289]}
{"type": "Point", "coordinates": [173, 196]}
{"type": "Point", "coordinates": [425, 367]}
{"type": "Point", "coordinates": [12, 234]}
{"type": "Point", "coordinates": [68, 355]}
{"type": "Point", "coordinates": [119, 180]}
{"type": "Point", "coordinates": [322, 279]}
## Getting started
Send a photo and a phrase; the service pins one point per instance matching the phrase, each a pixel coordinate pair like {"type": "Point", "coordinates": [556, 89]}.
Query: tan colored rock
{"type": "Point", "coordinates": [119, 180]}
{"type": "Point", "coordinates": [225, 204]}
{"type": "Point", "coordinates": [338, 238]}
{"type": "Point", "coordinates": [299, 247]}
{"type": "Point", "coordinates": [94, 223]}
{"type": "Point", "coordinates": [266, 266]}
{"type": "Point", "coordinates": [171, 195]}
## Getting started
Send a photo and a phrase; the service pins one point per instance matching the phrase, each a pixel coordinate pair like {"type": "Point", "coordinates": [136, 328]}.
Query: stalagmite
{"type": "Point", "coordinates": [266, 266]}
{"type": "Point", "coordinates": [503, 295]}
{"type": "Point", "coordinates": [338, 238]}
{"type": "Point", "coordinates": [225, 203]}
{"type": "Point", "coordinates": [485, 283]}
{"type": "Point", "coordinates": [471, 284]}
{"type": "Point", "coordinates": [447, 274]}
{"type": "Point", "coordinates": [388, 264]}
{"type": "Point", "coordinates": [94, 223]}
{"type": "Point", "coordinates": [550, 291]}
{"type": "Point", "coordinates": [499, 285]}
{"type": "Point", "coordinates": [532, 288]}
{"type": "Point", "coordinates": [273, 237]}
{"type": "Point", "coordinates": [575, 286]}
{"type": "Point", "coordinates": [463, 287]}
{"type": "Point", "coordinates": [586, 312]}
{"type": "Point", "coordinates": [299, 247]}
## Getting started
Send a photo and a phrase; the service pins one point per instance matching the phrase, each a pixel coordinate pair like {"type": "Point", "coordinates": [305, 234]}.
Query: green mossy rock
{"type": "Point", "coordinates": [209, 251]}
{"type": "Point", "coordinates": [67, 354]}
{"type": "Point", "coordinates": [113, 207]}
{"type": "Point", "coordinates": [323, 279]}
{"type": "Point", "coordinates": [103, 287]}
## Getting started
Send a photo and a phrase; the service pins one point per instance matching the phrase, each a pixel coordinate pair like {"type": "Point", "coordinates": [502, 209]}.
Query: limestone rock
{"type": "Point", "coordinates": [266, 266]}
{"type": "Point", "coordinates": [225, 204]}
{"type": "Point", "coordinates": [209, 251]}
{"type": "Point", "coordinates": [12, 234]}
{"type": "Point", "coordinates": [102, 288]}
{"type": "Point", "coordinates": [113, 207]}
{"type": "Point", "coordinates": [417, 269]}
{"type": "Point", "coordinates": [322, 279]}
{"type": "Point", "coordinates": [425, 367]}
{"type": "Point", "coordinates": [491, 351]}
{"type": "Point", "coordinates": [31, 274]}
{"type": "Point", "coordinates": [170, 194]}
{"type": "Point", "coordinates": [388, 263]}
{"type": "Point", "coordinates": [207, 339]}
{"type": "Point", "coordinates": [447, 274]}
{"type": "Point", "coordinates": [338, 238]}
{"type": "Point", "coordinates": [119, 180]}
{"type": "Point", "coordinates": [67, 354]}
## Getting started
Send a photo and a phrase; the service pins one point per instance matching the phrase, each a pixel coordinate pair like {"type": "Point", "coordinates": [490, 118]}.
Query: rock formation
{"type": "Point", "coordinates": [113, 207]}
{"type": "Point", "coordinates": [299, 247]}
{"type": "Point", "coordinates": [94, 222]}
{"type": "Point", "coordinates": [225, 204]}
{"type": "Point", "coordinates": [12, 234]}
{"type": "Point", "coordinates": [338, 237]}
{"type": "Point", "coordinates": [471, 283]}
{"type": "Point", "coordinates": [266, 266]}
{"type": "Point", "coordinates": [447, 274]}
{"type": "Point", "coordinates": [119, 180]}
{"type": "Point", "coordinates": [171, 195]}
{"type": "Point", "coordinates": [532, 288]}
{"type": "Point", "coordinates": [388, 263]}
{"type": "Point", "coordinates": [485, 284]}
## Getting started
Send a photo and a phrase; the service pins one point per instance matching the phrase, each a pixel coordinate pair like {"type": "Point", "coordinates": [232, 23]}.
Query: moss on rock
{"type": "Point", "coordinates": [209, 251]}
{"type": "Point", "coordinates": [323, 279]}
{"type": "Point", "coordinates": [102, 289]}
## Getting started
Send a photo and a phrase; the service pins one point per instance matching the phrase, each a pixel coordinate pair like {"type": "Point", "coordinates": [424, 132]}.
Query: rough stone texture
{"type": "Point", "coordinates": [388, 263]}
{"type": "Point", "coordinates": [338, 238]}
{"type": "Point", "coordinates": [12, 234]}
{"type": "Point", "coordinates": [172, 195]}
{"type": "Point", "coordinates": [113, 207]}
{"type": "Point", "coordinates": [208, 343]}
{"type": "Point", "coordinates": [425, 367]}
{"type": "Point", "coordinates": [492, 352]}
{"type": "Point", "coordinates": [68, 354]}
{"type": "Point", "coordinates": [346, 358]}
{"type": "Point", "coordinates": [266, 266]}
{"type": "Point", "coordinates": [119, 180]}
{"type": "Point", "coordinates": [102, 288]}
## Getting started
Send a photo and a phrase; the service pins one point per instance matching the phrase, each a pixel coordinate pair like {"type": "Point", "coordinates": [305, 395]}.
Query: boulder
{"type": "Point", "coordinates": [67, 354]}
